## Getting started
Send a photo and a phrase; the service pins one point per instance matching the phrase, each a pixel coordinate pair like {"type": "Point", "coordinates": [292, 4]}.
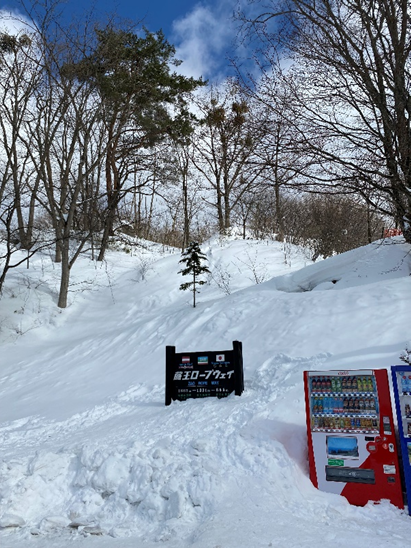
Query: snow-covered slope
{"type": "Point", "coordinates": [87, 445]}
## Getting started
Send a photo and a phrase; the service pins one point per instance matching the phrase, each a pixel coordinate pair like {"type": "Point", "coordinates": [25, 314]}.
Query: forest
{"type": "Point", "coordinates": [102, 137]}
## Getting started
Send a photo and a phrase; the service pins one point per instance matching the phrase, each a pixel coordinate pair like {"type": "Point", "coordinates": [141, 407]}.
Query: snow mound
{"type": "Point", "coordinates": [383, 260]}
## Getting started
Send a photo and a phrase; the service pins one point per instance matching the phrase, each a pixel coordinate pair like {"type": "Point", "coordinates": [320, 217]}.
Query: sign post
{"type": "Point", "coordinates": [204, 374]}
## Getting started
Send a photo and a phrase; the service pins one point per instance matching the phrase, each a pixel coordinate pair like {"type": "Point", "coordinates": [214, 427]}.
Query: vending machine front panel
{"type": "Point", "coordinates": [401, 377]}
{"type": "Point", "coordinates": [351, 440]}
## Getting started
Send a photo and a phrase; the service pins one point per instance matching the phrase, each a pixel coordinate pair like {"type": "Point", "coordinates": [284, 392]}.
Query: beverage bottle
{"type": "Point", "coordinates": [333, 386]}
{"type": "Point", "coordinates": [345, 405]}
{"type": "Point", "coordinates": [359, 384]}
{"type": "Point", "coordinates": [354, 384]}
{"type": "Point", "coordinates": [349, 384]}
{"type": "Point", "coordinates": [328, 384]}
{"type": "Point", "coordinates": [320, 405]}
{"type": "Point", "coordinates": [323, 384]}
{"type": "Point", "coordinates": [313, 384]}
{"type": "Point", "coordinates": [404, 383]}
{"type": "Point", "coordinates": [372, 405]}
{"type": "Point", "coordinates": [344, 384]}
{"type": "Point", "coordinates": [326, 408]}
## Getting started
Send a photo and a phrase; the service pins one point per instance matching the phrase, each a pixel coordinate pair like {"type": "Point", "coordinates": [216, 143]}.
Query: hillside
{"type": "Point", "coordinates": [86, 439]}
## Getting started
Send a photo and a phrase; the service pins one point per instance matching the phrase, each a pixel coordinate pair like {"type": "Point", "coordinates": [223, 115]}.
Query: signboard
{"type": "Point", "coordinates": [204, 374]}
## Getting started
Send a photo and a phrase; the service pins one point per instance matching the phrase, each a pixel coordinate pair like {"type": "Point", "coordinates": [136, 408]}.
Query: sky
{"type": "Point", "coordinates": [202, 32]}
{"type": "Point", "coordinates": [91, 457]}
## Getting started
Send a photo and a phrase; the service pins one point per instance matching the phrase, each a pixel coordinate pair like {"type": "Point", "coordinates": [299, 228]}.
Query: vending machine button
{"type": "Point", "coordinates": [371, 447]}
{"type": "Point", "coordinates": [391, 447]}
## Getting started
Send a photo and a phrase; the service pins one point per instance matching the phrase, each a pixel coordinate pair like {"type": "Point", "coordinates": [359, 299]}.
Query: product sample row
{"type": "Point", "coordinates": [352, 384]}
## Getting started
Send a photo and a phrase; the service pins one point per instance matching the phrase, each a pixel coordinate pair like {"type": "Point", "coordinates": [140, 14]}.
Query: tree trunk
{"type": "Point", "coordinates": [65, 275]}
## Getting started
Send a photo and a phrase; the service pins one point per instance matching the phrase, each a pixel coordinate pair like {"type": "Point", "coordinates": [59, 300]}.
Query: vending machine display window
{"type": "Point", "coordinates": [342, 447]}
{"type": "Point", "coordinates": [344, 403]}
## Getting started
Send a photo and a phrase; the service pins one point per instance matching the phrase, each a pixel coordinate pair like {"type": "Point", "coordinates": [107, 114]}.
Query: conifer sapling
{"type": "Point", "coordinates": [193, 257]}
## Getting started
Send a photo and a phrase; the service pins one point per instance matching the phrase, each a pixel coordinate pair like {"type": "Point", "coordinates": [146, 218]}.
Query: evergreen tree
{"type": "Point", "coordinates": [192, 258]}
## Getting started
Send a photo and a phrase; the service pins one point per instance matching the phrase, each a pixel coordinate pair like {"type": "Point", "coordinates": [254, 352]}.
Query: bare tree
{"type": "Point", "coordinates": [351, 86]}
{"type": "Point", "coordinates": [19, 77]}
{"type": "Point", "coordinates": [225, 148]}
{"type": "Point", "coordinates": [67, 146]}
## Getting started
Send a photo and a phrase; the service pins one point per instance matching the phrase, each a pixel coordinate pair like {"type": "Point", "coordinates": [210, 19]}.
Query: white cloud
{"type": "Point", "coordinates": [203, 38]}
{"type": "Point", "coordinates": [12, 22]}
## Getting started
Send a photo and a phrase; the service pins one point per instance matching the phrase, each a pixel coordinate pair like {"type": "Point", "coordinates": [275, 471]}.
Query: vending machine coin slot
{"type": "Point", "coordinates": [386, 423]}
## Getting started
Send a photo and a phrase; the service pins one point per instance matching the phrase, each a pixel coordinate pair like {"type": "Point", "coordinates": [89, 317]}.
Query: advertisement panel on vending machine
{"type": "Point", "coordinates": [351, 439]}
{"type": "Point", "coordinates": [401, 380]}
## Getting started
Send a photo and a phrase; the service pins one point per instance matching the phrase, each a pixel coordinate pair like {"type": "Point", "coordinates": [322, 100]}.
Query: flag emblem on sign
{"type": "Point", "coordinates": [203, 359]}
{"type": "Point", "coordinates": [185, 359]}
{"type": "Point", "coordinates": [220, 358]}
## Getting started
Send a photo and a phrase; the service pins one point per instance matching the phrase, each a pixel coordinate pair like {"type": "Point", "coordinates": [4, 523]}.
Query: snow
{"type": "Point", "coordinates": [91, 456]}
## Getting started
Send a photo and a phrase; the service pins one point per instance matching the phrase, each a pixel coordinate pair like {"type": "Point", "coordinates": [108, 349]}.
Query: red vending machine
{"type": "Point", "coordinates": [351, 439]}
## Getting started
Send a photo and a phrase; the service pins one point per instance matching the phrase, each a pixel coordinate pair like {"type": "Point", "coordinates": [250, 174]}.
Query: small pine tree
{"type": "Point", "coordinates": [192, 257]}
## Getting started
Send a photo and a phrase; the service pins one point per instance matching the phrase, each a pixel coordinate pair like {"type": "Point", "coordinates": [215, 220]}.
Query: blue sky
{"type": "Point", "coordinates": [203, 32]}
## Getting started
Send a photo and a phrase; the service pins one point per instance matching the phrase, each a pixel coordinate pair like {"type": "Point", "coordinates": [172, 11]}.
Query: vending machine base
{"type": "Point", "coordinates": [351, 439]}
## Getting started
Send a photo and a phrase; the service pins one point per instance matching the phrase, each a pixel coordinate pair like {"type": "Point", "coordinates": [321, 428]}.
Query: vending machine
{"type": "Point", "coordinates": [351, 438]}
{"type": "Point", "coordinates": [401, 379]}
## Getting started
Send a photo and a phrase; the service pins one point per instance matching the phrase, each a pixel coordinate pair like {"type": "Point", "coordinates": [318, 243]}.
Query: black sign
{"type": "Point", "coordinates": [203, 374]}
